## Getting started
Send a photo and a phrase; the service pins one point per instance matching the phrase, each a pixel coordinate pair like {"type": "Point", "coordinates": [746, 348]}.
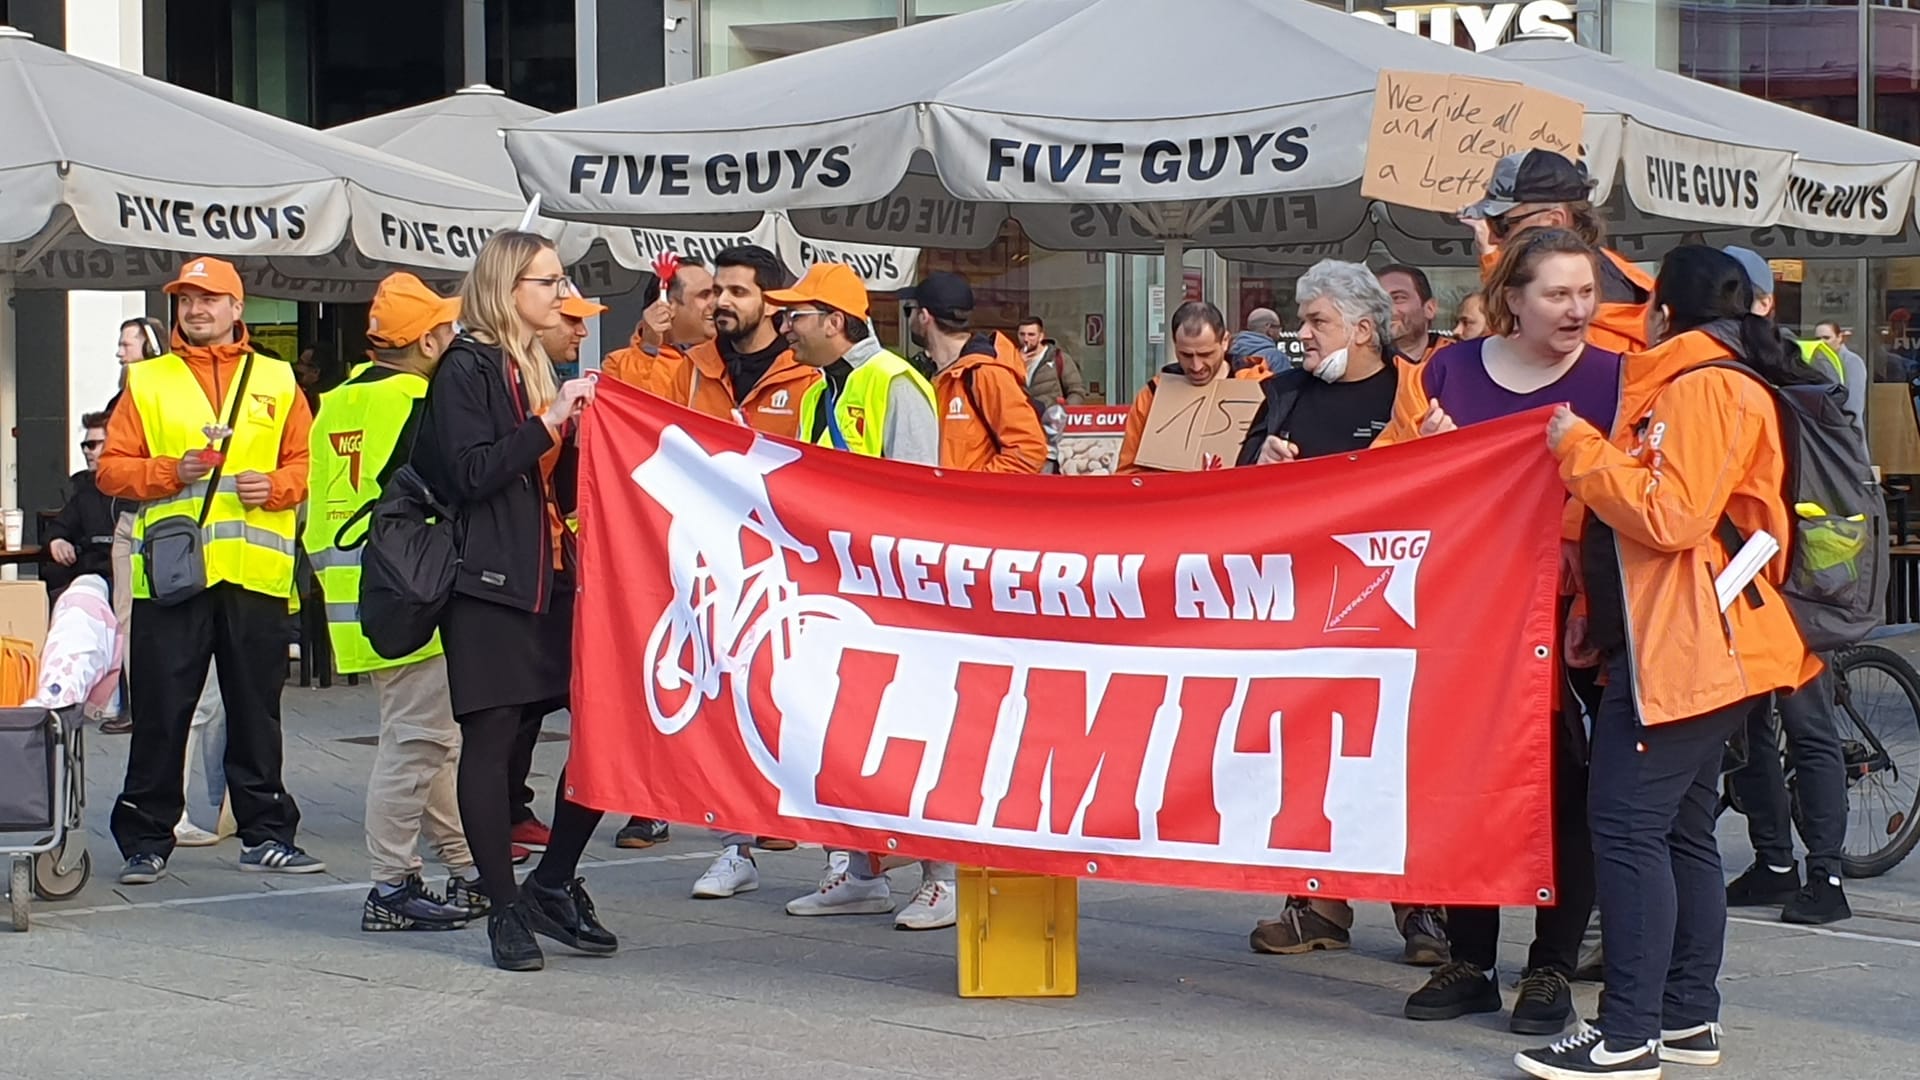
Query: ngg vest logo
{"type": "Point", "coordinates": [347, 444]}
{"type": "Point", "coordinates": [1397, 555]}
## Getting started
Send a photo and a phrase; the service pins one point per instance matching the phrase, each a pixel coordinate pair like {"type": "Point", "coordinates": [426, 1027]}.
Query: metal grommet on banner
{"type": "Point", "coordinates": [1092, 867]}
{"type": "Point", "coordinates": [893, 844]}
{"type": "Point", "coordinates": [1545, 895]}
{"type": "Point", "coordinates": [1136, 482]}
{"type": "Point", "coordinates": [1541, 652]}
{"type": "Point", "coordinates": [709, 817]}
{"type": "Point", "coordinates": [569, 791]}
{"type": "Point", "coordinates": [1313, 884]}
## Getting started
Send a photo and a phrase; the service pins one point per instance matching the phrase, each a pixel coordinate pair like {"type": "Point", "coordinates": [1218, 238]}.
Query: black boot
{"type": "Point", "coordinates": [513, 946]}
{"type": "Point", "coordinates": [566, 915]}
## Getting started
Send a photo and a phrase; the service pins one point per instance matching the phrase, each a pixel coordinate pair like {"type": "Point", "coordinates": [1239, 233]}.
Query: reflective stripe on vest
{"type": "Point", "coordinates": [861, 408]}
{"type": "Point", "coordinates": [355, 434]}
{"type": "Point", "coordinates": [251, 548]}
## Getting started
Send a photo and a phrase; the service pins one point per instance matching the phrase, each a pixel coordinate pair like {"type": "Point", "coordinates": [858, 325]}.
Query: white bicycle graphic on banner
{"type": "Point", "coordinates": [723, 607]}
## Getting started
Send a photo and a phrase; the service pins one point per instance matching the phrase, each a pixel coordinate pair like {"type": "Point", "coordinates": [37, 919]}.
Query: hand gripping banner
{"type": "Point", "coordinates": [1331, 677]}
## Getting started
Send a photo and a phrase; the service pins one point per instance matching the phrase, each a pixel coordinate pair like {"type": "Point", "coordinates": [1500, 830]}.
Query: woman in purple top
{"type": "Point", "coordinates": [1540, 299]}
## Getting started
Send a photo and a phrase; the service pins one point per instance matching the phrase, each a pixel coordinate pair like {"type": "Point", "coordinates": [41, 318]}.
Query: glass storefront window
{"type": "Point", "coordinates": [922, 10]}
{"type": "Point", "coordinates": [1806, 56]}
{"type": "Point", "coordinates": [740, 33]}
{"type": "Point", "coordinates": [530, 51]}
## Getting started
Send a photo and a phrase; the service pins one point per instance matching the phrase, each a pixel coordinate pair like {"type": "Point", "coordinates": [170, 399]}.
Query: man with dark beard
{"type": "Point", "coordinates": [748, 373]}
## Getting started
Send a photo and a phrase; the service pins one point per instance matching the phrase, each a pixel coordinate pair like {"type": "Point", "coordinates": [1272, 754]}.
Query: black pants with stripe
{"type": "Point", "coordinates": [167, 656]}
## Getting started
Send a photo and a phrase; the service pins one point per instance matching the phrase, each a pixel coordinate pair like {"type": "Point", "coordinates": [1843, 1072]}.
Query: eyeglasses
{"type": "Point", "coordinates": [1503, 226]}
{"type": "Point", "coordinates": [558, 283]}
{"type": "Point", "coordinates": [807, 311]}
{"type": "Point", "coordinates": [92, 444]}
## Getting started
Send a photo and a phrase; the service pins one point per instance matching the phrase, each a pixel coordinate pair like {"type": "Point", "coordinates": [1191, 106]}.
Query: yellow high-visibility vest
{"type": "Point", "coordinates": [354, 436]}
{"type": "Point", "coordinates": [251, 548]}
{"type": "Point", "coordinates": [861, 409]}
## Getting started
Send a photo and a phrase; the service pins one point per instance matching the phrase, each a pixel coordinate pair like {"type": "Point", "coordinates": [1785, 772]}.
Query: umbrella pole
{"type": "Point", "coordinates": [9, 399]}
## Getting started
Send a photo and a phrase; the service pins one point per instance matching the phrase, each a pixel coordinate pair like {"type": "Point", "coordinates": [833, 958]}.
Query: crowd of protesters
{"type": "Point", "coordinates": [1656, 445]}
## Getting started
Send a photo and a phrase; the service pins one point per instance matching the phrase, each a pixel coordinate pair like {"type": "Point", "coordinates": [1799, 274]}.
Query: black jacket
{"type": "Point", "coordinates": [86, 521]}
{"type": "Point", "coordinates": [480, 449]}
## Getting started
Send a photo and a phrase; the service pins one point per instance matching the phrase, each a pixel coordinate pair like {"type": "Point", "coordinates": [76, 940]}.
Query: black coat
{"type": "Point", "coordinates": [87, 522]}
{"type": "Point", "coordinates": [480, 449]}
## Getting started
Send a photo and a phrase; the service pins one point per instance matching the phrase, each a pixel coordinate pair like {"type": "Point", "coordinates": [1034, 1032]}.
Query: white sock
{"type": "Point", "coordinates": [471, 873]}
{"type": "Point", "coordinates": [1780, 869]}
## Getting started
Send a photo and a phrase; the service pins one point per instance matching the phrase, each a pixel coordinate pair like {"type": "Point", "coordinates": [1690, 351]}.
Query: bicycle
{"type": "Point", "coordinates": [1877, 709]}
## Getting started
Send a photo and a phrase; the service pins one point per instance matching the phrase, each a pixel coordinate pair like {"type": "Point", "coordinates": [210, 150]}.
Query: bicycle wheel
{"type": "Point", "coordinates": [1879, 718]}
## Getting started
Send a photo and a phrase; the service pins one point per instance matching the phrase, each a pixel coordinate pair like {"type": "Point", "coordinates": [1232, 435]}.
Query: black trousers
{"type": "Point", "coordinates": [489, 741]}
{"type": "Point", "coordinates": [167, 656]}
{"type": "Point", "coordinates": [1474, 932]}
{"type": "Point", "coordinates": [1813, 742]}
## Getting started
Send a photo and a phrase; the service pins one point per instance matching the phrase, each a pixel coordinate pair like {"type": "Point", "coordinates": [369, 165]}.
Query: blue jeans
{"type": "Point", "coordinates": [1652, 797]}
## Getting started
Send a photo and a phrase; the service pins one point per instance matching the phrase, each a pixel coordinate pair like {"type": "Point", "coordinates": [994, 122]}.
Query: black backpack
{"type": "Point", "coordinates": [1837, 556]}
{"type": "Point", "coordinates": [407, 571]}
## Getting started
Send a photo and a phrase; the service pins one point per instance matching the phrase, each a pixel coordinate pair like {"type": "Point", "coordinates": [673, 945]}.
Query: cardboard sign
{"type": "Point", "coordinates": [1191, 428]}
{"type": "Point", "coordinates": [1893, 437]}
{"type": "Point", "coordinates": [1434, 139]}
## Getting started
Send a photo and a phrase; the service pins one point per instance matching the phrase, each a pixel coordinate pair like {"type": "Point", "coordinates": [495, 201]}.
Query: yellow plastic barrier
{"type": "Point", "coordinates": [1019, 934]}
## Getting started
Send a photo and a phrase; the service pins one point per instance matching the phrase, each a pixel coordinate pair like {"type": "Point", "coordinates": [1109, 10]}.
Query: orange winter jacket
{"type": "Point", "coordinates": [1410, 403]}
{"type": "Point", "coordinates": [701, 382]}
{"type": "Point", "coordinates": [128, 469]}
{"type": "Point", "coordinates": [634, 366]}
{"type": "Point", "coordinates": [1688, 446]}
{"type": "Point", "coordinates": [1143, 404]}
{"type": "Point", "coordinates": [1617, 326]}
{"type": "Point", "coordinates": [995, 428]}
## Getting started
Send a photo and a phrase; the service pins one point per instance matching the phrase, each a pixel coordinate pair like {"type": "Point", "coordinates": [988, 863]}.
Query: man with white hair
{"type": "Point", "coordinates": [1335, 402]}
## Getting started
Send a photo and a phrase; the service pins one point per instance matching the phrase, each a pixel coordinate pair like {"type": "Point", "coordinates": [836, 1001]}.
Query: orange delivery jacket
{"type": "Point", "coordinates": [1688, 446]}
{"type": "Point", "coordinates": [701, 383]}
{"type": "Point", "coordinates": [1255, 371]}
{"type": "Point", "coordinates": [995, 429]}
{"type": "Point", "coordinates": [634, 366]}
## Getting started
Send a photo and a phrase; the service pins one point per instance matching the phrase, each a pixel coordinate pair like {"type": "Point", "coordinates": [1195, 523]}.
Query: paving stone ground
{"type": "Point", "coordinates": [215, 974]}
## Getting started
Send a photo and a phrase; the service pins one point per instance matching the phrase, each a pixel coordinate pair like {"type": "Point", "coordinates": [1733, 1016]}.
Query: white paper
{"type": "Point", "coordinates": [1754, 555]}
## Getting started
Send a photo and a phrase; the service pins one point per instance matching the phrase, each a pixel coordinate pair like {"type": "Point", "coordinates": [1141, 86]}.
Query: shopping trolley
{"type": "Point", "coordinates": [43, 786]}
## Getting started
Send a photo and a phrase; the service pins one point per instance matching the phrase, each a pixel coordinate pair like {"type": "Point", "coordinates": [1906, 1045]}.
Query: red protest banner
{"type": "Point", "coordinates": [1329, 676]}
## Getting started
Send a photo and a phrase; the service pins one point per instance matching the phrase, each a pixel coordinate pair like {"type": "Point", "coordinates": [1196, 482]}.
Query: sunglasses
{"type": "Point", "coordinates": [1502, 227]}
{"type": "Point", "coordinates": [92, 444]}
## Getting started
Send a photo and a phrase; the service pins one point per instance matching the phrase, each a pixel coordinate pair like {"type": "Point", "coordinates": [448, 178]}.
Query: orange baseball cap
{"type": "Point", "coordinates": [579, 307]}
{"type": "Point", "coordinates": [216, 276]}
{"type": "Point", "coordinates": [832, 284]}
{"type": "Point", "coordinates": [404, 310]}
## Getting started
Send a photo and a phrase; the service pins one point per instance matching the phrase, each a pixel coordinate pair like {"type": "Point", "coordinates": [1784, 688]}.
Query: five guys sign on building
{"type": "Point", "coordinates": [1132, 678]}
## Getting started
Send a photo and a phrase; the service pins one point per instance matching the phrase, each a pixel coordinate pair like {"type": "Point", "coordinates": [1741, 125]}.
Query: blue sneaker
{"type": "Point", "coordinates": [274, 857]}
{"type": "Point", "coordinates": [143, 870]}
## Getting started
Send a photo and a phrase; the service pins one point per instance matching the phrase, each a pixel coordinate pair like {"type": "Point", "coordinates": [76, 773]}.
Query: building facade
{"type": "Point", "coordinates": [326, 62]}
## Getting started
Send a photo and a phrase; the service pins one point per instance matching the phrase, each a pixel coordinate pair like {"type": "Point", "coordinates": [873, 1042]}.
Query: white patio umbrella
{"type": "Point", "coordinates": [1843, 192]}
{"type": "Point", "coordinates": [1119, 125]}
{"type": "Point", "coordinates": [466, 128]}
{"type": "Point", "coordinates": [110, 179]}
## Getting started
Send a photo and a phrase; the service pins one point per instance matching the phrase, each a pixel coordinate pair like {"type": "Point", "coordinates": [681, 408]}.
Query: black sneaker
{"type": "Point", "coordinates": [1697, 1045]}
{"type": "Point", "coordinates": [462, 893]}
{"type": "Point", "coordinates": [641, 832]}
{"type": "Point", "coordinates": [143, 870]}
{"type": "Point", "coordinates": [412, 907]}
{"type": "Point", "coordinates": [1823, 901]}
{"type": "Point", "coordinates": [1585, 1053]}
{"type": "Point", "coordinates": [513, 946]}
{"type": "Point", "coordinates": [274, 857]}
{"type": "Point", "coordinates": [566, 915]}
{"type": "Point", "coordinates": [1425, 929]}
{"type": "Point", "coordinates": [1762, 887]}
{"type": "Point", "coordinates": [1544, 1005]}
{"type": "Point", "coordinates": [1456, 989]}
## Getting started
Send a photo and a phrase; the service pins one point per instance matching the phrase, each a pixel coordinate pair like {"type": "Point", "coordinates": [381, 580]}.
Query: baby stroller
{"type": "Point", "coordinates": [43, 752]}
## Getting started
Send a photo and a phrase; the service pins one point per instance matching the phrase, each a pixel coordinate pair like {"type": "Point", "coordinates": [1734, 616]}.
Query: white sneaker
{"type": "Point", "coordinates": [844, 894]}
{"type": "Point", "coordinates": [187, 834]}
{"type": "Point", "coordinates": [731, 873]}
{"type": "Point", "coordinates": [934, 907]}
